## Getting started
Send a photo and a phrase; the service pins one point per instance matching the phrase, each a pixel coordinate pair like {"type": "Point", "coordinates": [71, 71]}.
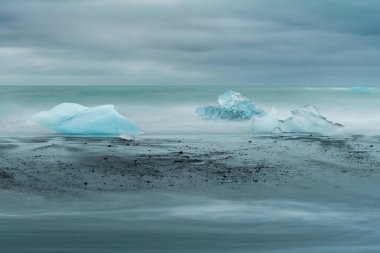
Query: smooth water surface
{"type": "Point", "coordinates": [187, 223]}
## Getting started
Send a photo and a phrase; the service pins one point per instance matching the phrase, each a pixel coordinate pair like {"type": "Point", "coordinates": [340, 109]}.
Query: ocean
{"type": "Point", "coordinates": [172, 222]}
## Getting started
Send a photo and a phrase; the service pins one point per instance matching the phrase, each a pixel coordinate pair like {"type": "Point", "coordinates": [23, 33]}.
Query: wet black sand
{"type": "Point", "coordinates": [70, 165]}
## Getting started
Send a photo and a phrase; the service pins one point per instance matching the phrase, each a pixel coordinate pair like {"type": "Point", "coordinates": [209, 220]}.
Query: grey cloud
{"type": "Point", "coordinates": [189, 42]}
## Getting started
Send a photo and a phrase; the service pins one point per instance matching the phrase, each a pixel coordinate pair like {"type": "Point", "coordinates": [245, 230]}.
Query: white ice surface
{"type": "Point", "coordinates": [71, 118]}
{"type": "Point", "coordinates": [306, 119]}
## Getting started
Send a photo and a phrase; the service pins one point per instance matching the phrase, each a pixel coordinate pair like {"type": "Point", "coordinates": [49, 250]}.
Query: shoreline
{"type": "Point", "coordinates": [60, 165]}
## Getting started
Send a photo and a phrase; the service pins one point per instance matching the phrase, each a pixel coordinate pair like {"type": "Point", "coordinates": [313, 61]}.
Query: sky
{"type": "Point", "coordinates": [190, 42]}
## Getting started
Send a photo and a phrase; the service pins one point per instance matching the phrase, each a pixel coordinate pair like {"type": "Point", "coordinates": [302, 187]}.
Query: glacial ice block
{"type": "Point", "coordinates": [266, 123]}
{"type": "Point", "coordinates": [308, 119]}
{"type": "Point", "coordinates": [232, 106]}
{"type": "Point", "coordinates": [304, 120]}
{"type": "Point", "coordinates": [71, 118]}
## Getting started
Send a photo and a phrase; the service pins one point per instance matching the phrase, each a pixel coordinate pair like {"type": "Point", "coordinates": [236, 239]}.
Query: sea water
{"type": "Point", "coordinates": [170, 110]}
{"type": "Point", "coordinates": [175, 222]}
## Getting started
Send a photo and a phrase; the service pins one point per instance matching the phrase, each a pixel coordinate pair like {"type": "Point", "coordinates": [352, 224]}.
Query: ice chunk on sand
{"type": "Point", "coordinates": [267, 122]}
{"type": "Point", "coordinates": [304, 120]}
{"type": "Point", "coordinates": [71, 118]}
{"type": "Point", "coordinates": [308, 119]}
{"type": "Point", "coordinates": [232, 106]}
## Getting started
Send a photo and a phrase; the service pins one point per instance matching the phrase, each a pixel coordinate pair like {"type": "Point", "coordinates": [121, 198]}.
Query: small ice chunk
{"type": "Point", "coordinates": [126, 137]}
{"type": "Point", "coordinates": [304, 120]}
{"type": "Point", "coordinates": [266, 123]}
{"type": "Point", "coordinates": [360, 89]}
{"type": "Point", "coordinates": [71, 118]}
{"type": "Point", "coordinates": [232, 106]}
{"type": "Point", "coordinates": [276, 130]}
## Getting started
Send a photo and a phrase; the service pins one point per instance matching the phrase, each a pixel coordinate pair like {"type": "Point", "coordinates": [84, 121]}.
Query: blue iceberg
{"type": "Point", "coordinates": [232, 106]}
{"type": "Point", "coordinates": [71, 118]}
{"type": "Point", "coordinates": [304, 120]}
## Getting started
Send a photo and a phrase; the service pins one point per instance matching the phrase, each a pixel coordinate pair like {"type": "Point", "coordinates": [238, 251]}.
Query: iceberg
{"type": "Point", "coordinates": [71, 118]}
{"type": "Point", "coordinates": [304, 120]}
{"type": "Point", "coordinates": [232, 106]}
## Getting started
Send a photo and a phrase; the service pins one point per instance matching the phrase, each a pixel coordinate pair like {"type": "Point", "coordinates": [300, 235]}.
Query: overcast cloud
{"type": "Point", "coordinates": [196, 42]}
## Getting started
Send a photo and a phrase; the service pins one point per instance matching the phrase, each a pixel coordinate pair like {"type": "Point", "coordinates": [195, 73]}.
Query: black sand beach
{"type": "Point", "coordinates": [58, 165]}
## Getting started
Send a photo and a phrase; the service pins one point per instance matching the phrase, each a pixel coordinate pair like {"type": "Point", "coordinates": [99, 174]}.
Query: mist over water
{"type": "Point", "coordinates": [171, 110]}
{"type": "Point", "coordinates": [167, 222]}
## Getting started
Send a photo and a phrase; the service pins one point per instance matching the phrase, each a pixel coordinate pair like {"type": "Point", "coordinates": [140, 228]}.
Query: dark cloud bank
{"type": "Point", "coordinates": [137, 42]}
